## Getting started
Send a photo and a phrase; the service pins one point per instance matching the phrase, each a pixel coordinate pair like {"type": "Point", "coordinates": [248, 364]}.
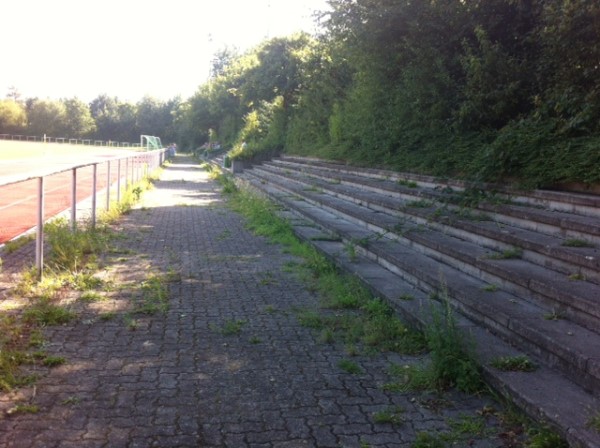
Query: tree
{"type": "Point", "coordinates": [105, 112]}
{"type": "Point", "coordinates": [221, 60]}
{"type": "Point", "coordinates": [78, 121]}
{"type": "Point", "coordinates": [13, 118]}
{"type": "Point", "coordinates": [46, 117]}
{"type": "Point", "coordinates": [155, 117]}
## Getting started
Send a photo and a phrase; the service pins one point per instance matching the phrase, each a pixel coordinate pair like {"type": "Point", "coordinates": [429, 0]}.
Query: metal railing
{"type": "Point", "coordinates": [70, 141]}
{"type": "Point", "coordinates": [128, 170]}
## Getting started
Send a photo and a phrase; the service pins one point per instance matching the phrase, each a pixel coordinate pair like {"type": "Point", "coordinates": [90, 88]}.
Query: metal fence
{"type": "Point", "coordinates": [66, 140]}
{"type": "Point", "coordinates": [107, 177]}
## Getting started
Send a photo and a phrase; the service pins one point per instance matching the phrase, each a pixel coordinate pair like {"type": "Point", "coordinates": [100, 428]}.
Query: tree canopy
{"type": "Point", "coordinates": [494, 89]}
{"type": "Point", "coordinates": [484, 89]}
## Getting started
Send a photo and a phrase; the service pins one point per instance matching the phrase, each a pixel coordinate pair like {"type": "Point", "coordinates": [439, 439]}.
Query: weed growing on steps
{"type": "Point", "coordinates": [575, 242]}
{"type": "Point", "coordinates": [451, 360]}
{"type": "Point", "coordinates": [350, 249]}
{"type": "Point", "coordinates": [407, 183]}
{"type": "Point", "coordinates": [520, 363]}
{"type": "Point", "coordinates": [507, 254]}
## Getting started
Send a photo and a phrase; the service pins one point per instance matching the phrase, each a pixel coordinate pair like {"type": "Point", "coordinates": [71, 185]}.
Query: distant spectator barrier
{"type": "Point", "coordinates": [68, 141]}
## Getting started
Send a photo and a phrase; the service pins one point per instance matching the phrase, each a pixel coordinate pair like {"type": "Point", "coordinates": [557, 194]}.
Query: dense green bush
{"type": "Point", "coordinates": [489, 90]}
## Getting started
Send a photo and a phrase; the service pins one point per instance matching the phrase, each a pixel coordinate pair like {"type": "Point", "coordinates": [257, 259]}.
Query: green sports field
{"type": "Point", "coordinates": [18, 150]}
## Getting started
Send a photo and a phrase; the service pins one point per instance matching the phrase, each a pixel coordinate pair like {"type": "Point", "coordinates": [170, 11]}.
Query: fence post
{"type": "Point", "coordinates": [39, 240]}
{"type": "Point", "coordinates": [94, 188]}
{"type": "Point", "coordinates": [74, 199]}
{"type": "Point", "coordinates": [118, 181]}
{"type": "Point", "coordinates": [126, 173]}
{"type": "Point", "coordinates": [107, 185]}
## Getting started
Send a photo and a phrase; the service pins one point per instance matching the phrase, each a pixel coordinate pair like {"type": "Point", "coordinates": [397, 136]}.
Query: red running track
{"type": "Point", "coordinates": [18, 202]}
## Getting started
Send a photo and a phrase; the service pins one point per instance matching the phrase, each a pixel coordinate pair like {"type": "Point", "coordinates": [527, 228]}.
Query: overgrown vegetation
{"type": "Point", "coordinates": [351, 316]}
{"type": "Point", "coordinates": [495, 90]}
{"type": "Point", "coordinates": [451, 360]}
{"type": "Point", "coordinates": [71, 263]}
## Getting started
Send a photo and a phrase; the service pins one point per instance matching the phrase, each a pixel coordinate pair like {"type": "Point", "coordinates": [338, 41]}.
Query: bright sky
{"type": "Point", "coordinates": [130, 48]}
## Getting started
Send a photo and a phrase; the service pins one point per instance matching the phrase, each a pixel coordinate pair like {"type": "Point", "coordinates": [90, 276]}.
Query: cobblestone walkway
{"type": "Point", "coordinates": [228, 365]}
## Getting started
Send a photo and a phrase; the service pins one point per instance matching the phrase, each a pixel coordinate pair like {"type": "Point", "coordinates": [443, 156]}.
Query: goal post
{"type": "Point", "coordinates": [150, 142]}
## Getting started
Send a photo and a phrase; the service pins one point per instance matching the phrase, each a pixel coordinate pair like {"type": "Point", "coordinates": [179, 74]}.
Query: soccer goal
{"type": "Point", "coordinates": [150, 142]}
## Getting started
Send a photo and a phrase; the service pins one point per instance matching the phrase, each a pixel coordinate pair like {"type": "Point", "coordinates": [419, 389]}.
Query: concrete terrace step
{"type": "Point", "coordinates": [546, 250]}
{"type": "Point", "coordinates": [579, 203]}
{"type": "Point", "coordinates": [550, 221]}
{"type": "Point", "coordinates": [575, 300]}
{"type": "Point", "coordinates": [425, 254]}
{"type": "Point", "coordinates": [536, 392]}
{"type": "Point", "coordinates": [403, 250]}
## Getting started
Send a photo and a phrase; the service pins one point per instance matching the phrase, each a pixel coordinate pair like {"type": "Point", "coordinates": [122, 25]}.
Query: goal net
{"type": "Point", "coordinates": [150, 142]}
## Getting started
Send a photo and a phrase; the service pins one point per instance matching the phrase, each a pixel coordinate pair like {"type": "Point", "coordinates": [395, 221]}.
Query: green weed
{"type": "Point", "coordinates": [451, 364]}
{"type": "Point", "coordinates": [92, 296]}
{"type": "Point", "coordinates": [576, 242]}
{"type": "Point", "coordinates": [310, 319]}
{"type": "Point", "coordinates": [392, 416]}
{"type": "Point", "coordinates": [23, 409]}
{"type": "Point", "coordinates": [129, 198]}
{"type": "Point", "coordinates": [45, 313]}
{"type": "Point", "coordinates": [70, 401]}
{"type": "Point", "coordinates": [53, 361]}
{"type": "Point", "coordinates": [130, 322]}
{"type": "Point", "coordinates": [519, 363]}
{"type": "Point", "coordinates": [350, 249]}
{"type": "Point", "coordinates": [13, 245]}
{"type": "Point", "coordinates": [467, 425]}
{"type": "Point", "coordinates": [232, 327]}
{"type": "Point", "coordinates": [417, 377]}
{"type": "Point", "coordinates": [594, 422]}
{"type": "Point", "coordinates": [545, 438]}
{"type": "Point", "coordinates": [270, 309]}
{"type": "Point", "coordinates": [109, 315]}
{"type": "Point", "coordinates": [426, 440]}
{"type": "Point", "coordinates": [71, 250]}
{"type": "Point", "coordinates": [349, 366]}
{"type": "Point", "coordinates": [225, 234]}
{"type": "Point", "coordinates": [507, 254]}
{"type": "Point", "coordinates": [154, 296]}
{"type": "Point", "coordinates": [407, 183]}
